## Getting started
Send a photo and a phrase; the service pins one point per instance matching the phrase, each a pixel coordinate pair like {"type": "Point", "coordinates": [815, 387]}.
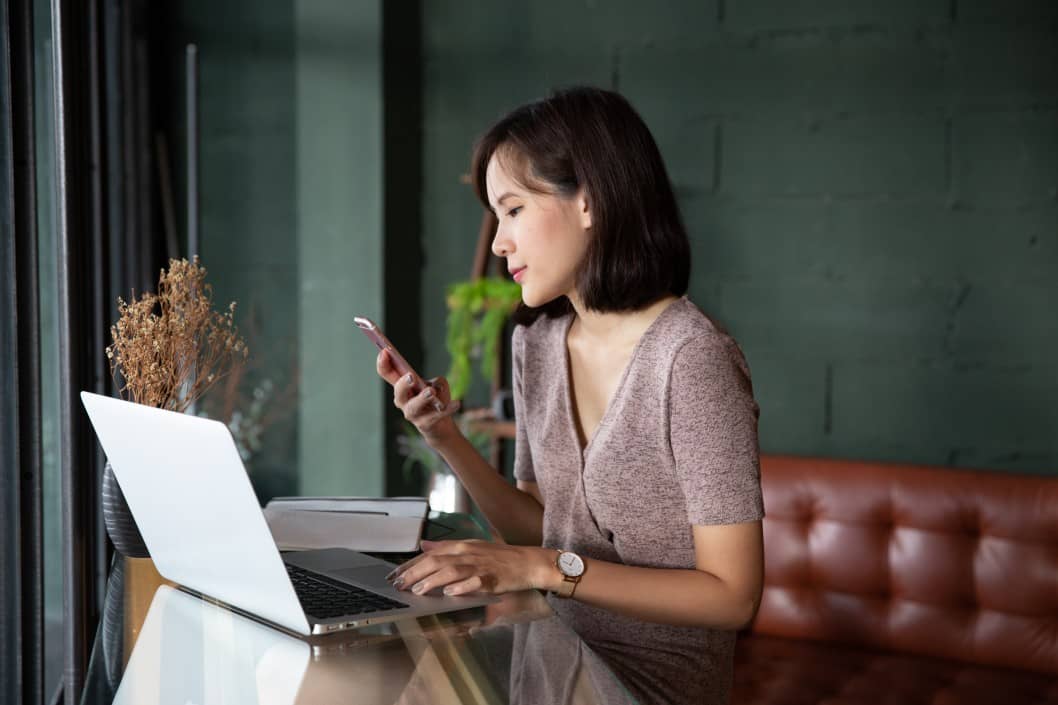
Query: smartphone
{"type": "Point", "coordinates": [375, 334]}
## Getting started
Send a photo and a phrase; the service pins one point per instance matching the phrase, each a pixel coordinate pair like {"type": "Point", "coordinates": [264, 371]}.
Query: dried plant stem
{"type": "Point", "coordinates": [169, 348]}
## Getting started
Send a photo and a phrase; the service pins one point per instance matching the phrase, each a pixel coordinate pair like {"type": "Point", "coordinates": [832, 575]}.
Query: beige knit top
{"type": "Point", "coordinates": [677, 446]}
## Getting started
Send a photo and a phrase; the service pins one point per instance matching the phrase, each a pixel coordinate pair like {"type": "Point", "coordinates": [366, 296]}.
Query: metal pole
{"type": "Point", "coordinates": [98, 262]}
{"type": "Point", "coordinates": [71, 30]}
{"type": "Point", "coordinates": [192, 150]}
{"type": "Point", "coordinates": [192, 174]}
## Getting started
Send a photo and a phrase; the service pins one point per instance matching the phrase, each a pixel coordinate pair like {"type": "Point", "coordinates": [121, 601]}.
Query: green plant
{"type": "Point", "coordinates": [477, 312]}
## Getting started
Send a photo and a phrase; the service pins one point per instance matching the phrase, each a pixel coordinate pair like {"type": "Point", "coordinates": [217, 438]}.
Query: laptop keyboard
{"type": "Point", "coordinates": [323, 598]}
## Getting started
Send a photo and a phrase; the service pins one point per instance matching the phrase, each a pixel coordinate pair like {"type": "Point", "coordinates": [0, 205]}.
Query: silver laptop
{"type": "Point", "coordinates": [192, 500]}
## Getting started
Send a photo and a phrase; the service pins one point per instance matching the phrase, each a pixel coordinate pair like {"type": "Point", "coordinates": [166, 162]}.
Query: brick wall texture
{"type": "Point", "coordinates": [871, 189]}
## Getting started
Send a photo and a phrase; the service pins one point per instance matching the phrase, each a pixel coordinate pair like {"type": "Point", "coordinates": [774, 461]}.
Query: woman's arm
{"type": "Point", "coordinates": [517, 515]}
{"type": "Point", "coordinates": [722, 591]}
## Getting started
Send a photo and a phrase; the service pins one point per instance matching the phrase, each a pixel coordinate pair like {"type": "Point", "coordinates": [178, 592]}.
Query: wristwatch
{"type": "Point", "coordinates": [572, 568]}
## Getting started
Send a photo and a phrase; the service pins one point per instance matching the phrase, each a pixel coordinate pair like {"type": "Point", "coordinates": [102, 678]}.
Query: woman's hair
{"type": "Point", "coordinates": [592, 138]}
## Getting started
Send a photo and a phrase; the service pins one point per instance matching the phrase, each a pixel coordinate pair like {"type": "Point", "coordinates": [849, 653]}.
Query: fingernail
{"type": "Point", "coordinates": [409, 379]}
{"type": "Point", "coordinates": [398, 583]}
{"type": "Point", "coordinates": [392, 574]}
{"type": "Point", "coordinates": [428, 393]}
{"type": "Point", "coordinates": [438, 406]}
{"type": "Point", "coordinates": [449, 590]}
{"type": "Point", "coordinates": [418, 588]}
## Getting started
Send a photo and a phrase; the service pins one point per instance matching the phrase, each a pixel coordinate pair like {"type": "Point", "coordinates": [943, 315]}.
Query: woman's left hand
{"type": "Point", "coordinates": [475, 566]}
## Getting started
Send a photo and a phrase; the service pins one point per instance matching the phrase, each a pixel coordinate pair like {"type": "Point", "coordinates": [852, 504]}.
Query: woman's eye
{"type": "Point", "coordinates": [514, 211]}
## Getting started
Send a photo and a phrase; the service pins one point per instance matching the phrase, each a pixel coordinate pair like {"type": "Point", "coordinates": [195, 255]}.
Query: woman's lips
{"type": "Point", "coordinates": [517, 274]}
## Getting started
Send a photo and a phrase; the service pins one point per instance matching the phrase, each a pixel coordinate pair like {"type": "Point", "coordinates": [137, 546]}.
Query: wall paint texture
{"type": "Point", "coordinates": [871, 190]}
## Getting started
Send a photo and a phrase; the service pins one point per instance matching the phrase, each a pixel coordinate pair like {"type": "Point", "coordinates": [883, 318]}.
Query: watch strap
{"type": "Point", "coordinates": [567, 587]}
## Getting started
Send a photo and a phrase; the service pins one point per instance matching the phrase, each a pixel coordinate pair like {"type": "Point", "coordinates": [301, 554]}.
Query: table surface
{"type": "Point", "coordinates": [158, 644]}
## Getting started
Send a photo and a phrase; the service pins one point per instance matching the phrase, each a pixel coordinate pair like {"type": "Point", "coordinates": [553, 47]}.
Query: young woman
{"type": "Point", "coordinates": [638, 504]}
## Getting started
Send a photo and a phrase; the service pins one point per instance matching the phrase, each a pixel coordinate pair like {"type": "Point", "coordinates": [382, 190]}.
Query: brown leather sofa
{"type": "Point", "coordinates": [903, 584]}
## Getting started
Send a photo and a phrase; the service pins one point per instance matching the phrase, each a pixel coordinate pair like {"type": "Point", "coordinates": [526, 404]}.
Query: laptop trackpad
{"type": "Point", "coordinates": [330, 560]}
{"type": "Point", "coordinates": [368, 576]}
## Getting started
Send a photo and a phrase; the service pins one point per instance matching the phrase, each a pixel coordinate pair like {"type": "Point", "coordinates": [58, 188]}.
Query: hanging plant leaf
{"type": "Point", "coordinates": [477, 312]}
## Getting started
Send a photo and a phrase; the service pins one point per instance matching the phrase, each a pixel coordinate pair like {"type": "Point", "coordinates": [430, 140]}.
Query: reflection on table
{"type": "Point", "coordinates": [159, 644]}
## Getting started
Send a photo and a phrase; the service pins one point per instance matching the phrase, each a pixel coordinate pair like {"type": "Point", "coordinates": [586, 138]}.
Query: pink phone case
{"type": "Point", "coordinates": [375, 334]}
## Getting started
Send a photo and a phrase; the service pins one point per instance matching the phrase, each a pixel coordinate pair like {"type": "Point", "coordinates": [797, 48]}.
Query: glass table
{"type": "Point", "coordinates": [159, 644]}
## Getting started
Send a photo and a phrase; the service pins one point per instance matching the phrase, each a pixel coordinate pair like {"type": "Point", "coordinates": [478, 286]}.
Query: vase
{"type": "Point", "coordinates": [113, 624]}
{"type": "Point", "coordinates": [121, 526]}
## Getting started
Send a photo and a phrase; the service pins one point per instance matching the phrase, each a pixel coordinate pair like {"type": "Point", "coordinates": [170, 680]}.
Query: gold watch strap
{"type": "Point", "coordinates": [567, 586]}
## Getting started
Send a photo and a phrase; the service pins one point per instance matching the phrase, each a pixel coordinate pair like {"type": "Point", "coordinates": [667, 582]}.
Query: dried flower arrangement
{"type": "Point", "coordinates": [169, 348]}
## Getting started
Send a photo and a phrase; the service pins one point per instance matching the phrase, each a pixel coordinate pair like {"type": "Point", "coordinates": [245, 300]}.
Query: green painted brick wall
{"type": "Point", "coordinates": [340, 246]}
{"type": "Point", "coordinates": [247, 181]}
{"type": "Point", "coordinates": [871, 189]}
{"type": "Point", "coordinates": [291, 216]}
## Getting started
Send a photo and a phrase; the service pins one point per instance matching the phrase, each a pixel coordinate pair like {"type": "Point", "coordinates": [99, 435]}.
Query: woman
{"type": "Point", "coordinates": [638, 505]}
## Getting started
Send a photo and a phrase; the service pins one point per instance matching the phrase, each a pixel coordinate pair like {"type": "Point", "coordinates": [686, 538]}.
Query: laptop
{"type": "Point", "coordinates": [192, 500]}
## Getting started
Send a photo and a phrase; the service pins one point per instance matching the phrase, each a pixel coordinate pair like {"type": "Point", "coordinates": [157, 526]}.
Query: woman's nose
{"type": "Point", "coordinates": [501, 243]}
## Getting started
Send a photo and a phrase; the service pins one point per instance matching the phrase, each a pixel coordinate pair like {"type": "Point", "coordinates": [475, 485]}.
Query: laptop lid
{"type": "Point", "coordinates": [192, 500]}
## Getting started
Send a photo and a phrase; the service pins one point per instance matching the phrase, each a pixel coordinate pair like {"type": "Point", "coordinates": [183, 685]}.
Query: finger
{"type": "Point", "coordinates": [428, 547]}
{"type": "Point", "coordinates": [384, 367]}
{"type": "Point", "coordinates": [423, 570]}
{"type": "Point", "coordinates": [400, 569]}
{"type": "Point", "coordinates": [405, 389]}
{"type": "Point", "coordinates": [463, 587]}
{"type": "Point", "coordinates": [440, 385]}
{"type": "Point", "coordinates": [422, 404]}
{"type": "Point", "coordinates": [449, 409]}
{"type": "Point", "coordinates": [444, 576]}
{"type": "Point", "coordinates": [437, 553]}
{"type": "Point", "coordinates": [414, 570]}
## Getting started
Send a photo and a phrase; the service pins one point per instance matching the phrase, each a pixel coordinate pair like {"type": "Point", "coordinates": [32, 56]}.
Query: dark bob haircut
{"type": "Point", "coordinates": [639, 251]}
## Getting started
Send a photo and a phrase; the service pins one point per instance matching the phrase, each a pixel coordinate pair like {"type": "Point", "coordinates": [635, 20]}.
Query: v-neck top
{"type": "Point", "coordinates": [676, 447]}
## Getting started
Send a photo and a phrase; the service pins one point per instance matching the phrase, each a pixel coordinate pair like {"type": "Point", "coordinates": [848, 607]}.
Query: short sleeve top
{"type": "Point", "coordinates": [676, 447]}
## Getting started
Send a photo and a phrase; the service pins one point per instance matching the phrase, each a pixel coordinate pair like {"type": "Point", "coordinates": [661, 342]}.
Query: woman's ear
{"type": "Point", "coordinates": [583, 209]}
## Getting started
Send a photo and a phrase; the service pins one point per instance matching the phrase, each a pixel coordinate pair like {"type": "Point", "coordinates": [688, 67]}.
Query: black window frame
{"type": "Point", "coordinates": [107, 244]}
{"type": "Point", "coordinates": [21, 462]}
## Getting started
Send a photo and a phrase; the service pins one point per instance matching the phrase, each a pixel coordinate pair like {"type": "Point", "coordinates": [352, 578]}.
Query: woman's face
{"type": "Point", "coordinates": [543, 236]}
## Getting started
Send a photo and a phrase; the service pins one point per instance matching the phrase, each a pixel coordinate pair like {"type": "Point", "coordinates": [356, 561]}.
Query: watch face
{"type": "Point", "coordinates": [570, 564]}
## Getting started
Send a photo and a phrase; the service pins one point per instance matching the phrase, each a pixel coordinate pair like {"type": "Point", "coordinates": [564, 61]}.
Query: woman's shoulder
{"type": "Point", "coordinates": [539, 347]}
{"type": "Point", "coordinates": [686, 331]}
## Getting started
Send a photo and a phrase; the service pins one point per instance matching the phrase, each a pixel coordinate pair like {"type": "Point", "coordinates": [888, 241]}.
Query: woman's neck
{"type": "Point", "coordinates": [619, 329]}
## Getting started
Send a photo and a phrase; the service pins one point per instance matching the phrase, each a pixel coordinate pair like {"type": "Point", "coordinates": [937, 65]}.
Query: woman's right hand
{"type": "Point", "coordinates": [430, 410]}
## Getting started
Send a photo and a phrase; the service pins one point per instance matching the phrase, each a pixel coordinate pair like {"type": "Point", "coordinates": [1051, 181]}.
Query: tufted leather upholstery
{"type": "Point", "coordinates": [774, 671]}
{"type": "Point", "coordinates": [952, 564]}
